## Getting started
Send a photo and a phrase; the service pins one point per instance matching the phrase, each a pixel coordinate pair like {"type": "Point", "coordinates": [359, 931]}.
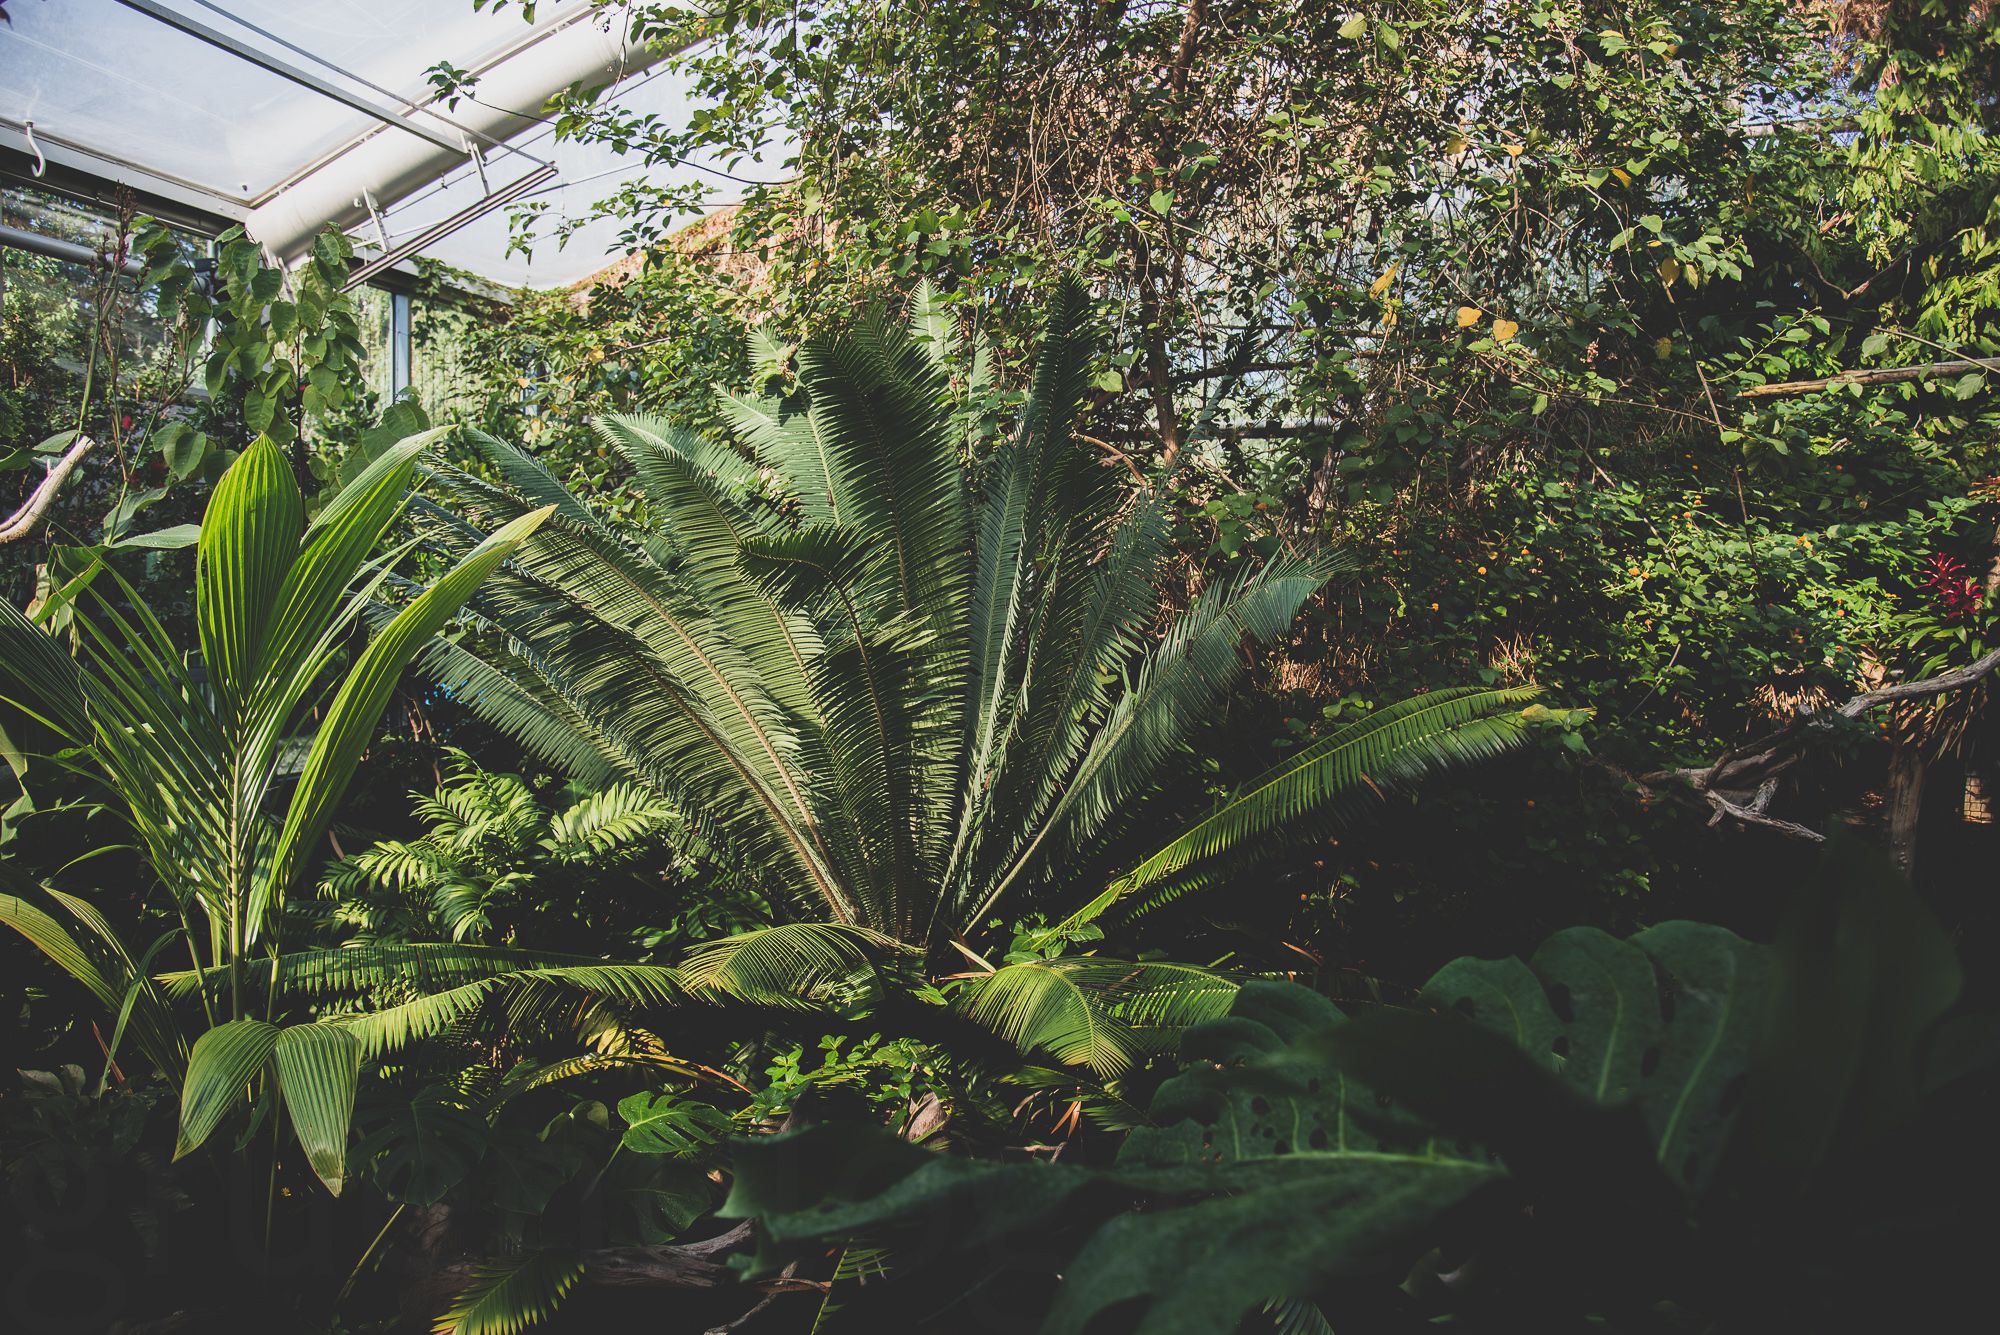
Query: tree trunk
{"type": "Point", "coordinates": [1906, 803]}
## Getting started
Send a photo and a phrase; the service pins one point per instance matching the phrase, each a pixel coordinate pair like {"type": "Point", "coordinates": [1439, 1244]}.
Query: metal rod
{"type": "Point", "coordinates": [244, 51]}
{"type": "Point", "coordinates": [399, 343]}
{"type": "Point", "coordinates": [479, 208]}
{"type": "Point", "coordinates": [73, 251]}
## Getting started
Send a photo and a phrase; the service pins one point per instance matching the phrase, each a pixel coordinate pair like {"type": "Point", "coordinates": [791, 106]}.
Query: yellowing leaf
{"type": "Point", "coordinates": [1469, 316]}
{"type": "Point", "coordinates": [1356, 25]}
{"type": "Point", "coordinates": [1670, 270]}
{"type": "Point", "coordinates": [1624, 177]}
{"type": "Point", "coordinates": [1381, 285]}
{"type": "Point", "coordinates": [1515, 150]}
{"type": "Point", "coordinates": [1504, 329]}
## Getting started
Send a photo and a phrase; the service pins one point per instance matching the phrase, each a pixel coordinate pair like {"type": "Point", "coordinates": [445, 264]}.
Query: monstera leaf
{"type": "Point", "coordinates": [1607, 1122]}
{"type": "Point", "coordinates": [1665, 1021]}
{"type": "Point", "coordinates": [1301, 1149]}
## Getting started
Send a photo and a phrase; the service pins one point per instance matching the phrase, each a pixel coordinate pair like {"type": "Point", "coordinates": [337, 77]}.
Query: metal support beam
{"type": "Point", "coordinates": [284, 70]}
{"type": "Point", "coordinates": [75, 252]}
{"type": "Point", "coordinates": [479, 208]}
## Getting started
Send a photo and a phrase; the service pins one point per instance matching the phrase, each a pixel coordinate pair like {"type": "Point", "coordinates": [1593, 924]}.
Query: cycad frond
{"type": "Point", "coordinates": [1391, 749]}
{"type": "Point", "coordinates": [1099, 1013]}
{"type": "Point", "coordinates": [791, 964]}
{"type": "Point", "coordinates": [510, 1294]}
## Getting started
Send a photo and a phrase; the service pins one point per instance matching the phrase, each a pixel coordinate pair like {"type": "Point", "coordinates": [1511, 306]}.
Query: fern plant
{"type": "Point", "coordinates": [901, 689]}
{"type": "Point", "coordinates": [492, 849]}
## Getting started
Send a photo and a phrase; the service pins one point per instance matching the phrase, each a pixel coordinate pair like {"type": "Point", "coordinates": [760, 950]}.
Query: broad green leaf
{"type": "Point", "coordinates": [221, 1067]}
{"type": "Point", "coordinates": [319, 1066]}
{"type": "Point", "coordinates": [670, 1125]}
{"type": "Point", "coordinates": [249, 537]}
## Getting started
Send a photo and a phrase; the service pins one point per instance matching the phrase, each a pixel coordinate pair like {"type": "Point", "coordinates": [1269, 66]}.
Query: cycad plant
{"type": "Point", "coordinates": [903, 685]}
{"type": "Point", "coordinates": [195, 753]}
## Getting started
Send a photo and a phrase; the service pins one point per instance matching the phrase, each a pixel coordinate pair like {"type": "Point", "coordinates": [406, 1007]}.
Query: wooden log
{"type": "Point", "coordinates": [1886, 375]}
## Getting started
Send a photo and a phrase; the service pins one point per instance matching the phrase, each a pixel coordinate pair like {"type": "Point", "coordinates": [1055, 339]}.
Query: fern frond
{"type": "Point", "coordinates": [791, 964]}
{"type": "Point", "coordinates": [1097, 1013]}
{"type": "Point", "coordinates": [509, 1295]}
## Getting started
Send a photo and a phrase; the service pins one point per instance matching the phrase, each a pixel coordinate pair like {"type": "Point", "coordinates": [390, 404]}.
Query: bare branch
{"type": "Point", "coordinates": [32, 510]}
{"type": "Point", "coordinates": [1741, 782]}
{"type": "Point", "coordinates": [1886, 375]}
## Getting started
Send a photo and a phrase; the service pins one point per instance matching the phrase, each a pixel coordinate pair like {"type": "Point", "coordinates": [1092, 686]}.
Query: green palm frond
{"type": "Point", "coordinates": [510, 1295]}
{"type": "Point", "coordinates": [791, 964]}
{"type": "Point", "coordinates": [1392, 749]}
{"type": "Point", "coordinates": [1097, 1013]}
{"type": "Point", "coordinates": [544, 991]}
{"type": "Point", "coordinates": [610, 823]}
{"type": "Point", "coordinates": [1173, 692]}
{"type": "Point", "coordinates": [1296, 1316]}
{"type": "Point", "coordinates": [386, 968]}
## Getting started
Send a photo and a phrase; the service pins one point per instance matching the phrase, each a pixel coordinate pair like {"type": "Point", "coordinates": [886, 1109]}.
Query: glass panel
{"type": "Point", "coordinates": [49, 321]}
{"type": "Point", "coordinates": [129, 87]}
{"type": "Point", "coordinates": [443, 374]}
{"type": "Point", "coordinates": [371, 310]}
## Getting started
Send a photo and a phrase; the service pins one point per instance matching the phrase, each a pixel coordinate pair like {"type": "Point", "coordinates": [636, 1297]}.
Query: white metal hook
{"type": "Point", "coordinates": [41, 163]}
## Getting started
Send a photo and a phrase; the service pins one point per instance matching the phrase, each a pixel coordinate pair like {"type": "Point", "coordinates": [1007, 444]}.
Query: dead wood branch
{"type": "Point", "coordinates": [37, 505]}
{"type": "Point", "coordinates": [1742, 781]}
{"type": "Point", "coordinates": [1887, 375]}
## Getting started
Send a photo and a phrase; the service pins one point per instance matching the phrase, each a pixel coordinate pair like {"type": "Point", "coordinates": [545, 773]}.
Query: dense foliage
{"type": "Point", "coordinates": [901, 759]}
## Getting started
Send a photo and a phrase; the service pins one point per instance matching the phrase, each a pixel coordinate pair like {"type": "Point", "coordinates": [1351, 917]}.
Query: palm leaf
{"type": "Point", "coordinates": [350, 720]}
{"type": "Point", "coordinates": [319, 1066]}
{"type": "Point", "coordinates": [1392, 749]}
{"type": "Point", "coordinates": [791, 964]}
{"type": "Point", "coordinates": [1099, 1013]}
{"type": "Point", "coordinates": [249, 537]}
{"type": "Point", "coordinates": [506, 1296]}
{"type": "Point", "coordinates": [221, 1066]}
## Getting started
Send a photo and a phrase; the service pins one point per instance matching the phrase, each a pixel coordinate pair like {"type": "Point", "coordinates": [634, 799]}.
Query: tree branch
{"type": "Point", "coordinates": [33, 509]}
{"type": "Point", "coordinates": [1742, 780]}
{"type": "Point", "coordinates": [1886, 375]}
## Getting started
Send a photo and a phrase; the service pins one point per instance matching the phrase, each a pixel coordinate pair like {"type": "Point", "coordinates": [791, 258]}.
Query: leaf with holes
{"type": "Point", "coordinates": [1664, 1021]}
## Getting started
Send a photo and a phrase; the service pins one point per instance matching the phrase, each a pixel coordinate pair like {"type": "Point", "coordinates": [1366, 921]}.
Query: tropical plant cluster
{"type": "Point", "coordinates": [1230, 667]}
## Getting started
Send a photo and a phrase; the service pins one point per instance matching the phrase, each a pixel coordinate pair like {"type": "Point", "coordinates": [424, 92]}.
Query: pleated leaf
{"type": "Point", "coordinates": [319, 1066]}
{"type": "Point", "coordinates": [249, 538]}
{"type": "Point", "coordinates": [221, 1066]}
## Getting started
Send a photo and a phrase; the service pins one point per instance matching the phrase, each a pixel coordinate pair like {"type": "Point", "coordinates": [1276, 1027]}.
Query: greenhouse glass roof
{"type": "Point", "coordinates": [229, 105]}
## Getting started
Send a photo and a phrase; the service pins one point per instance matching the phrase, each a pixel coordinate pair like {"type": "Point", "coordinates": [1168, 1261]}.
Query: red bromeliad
{"type": "Point", "coordinates": [1956, 592]}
